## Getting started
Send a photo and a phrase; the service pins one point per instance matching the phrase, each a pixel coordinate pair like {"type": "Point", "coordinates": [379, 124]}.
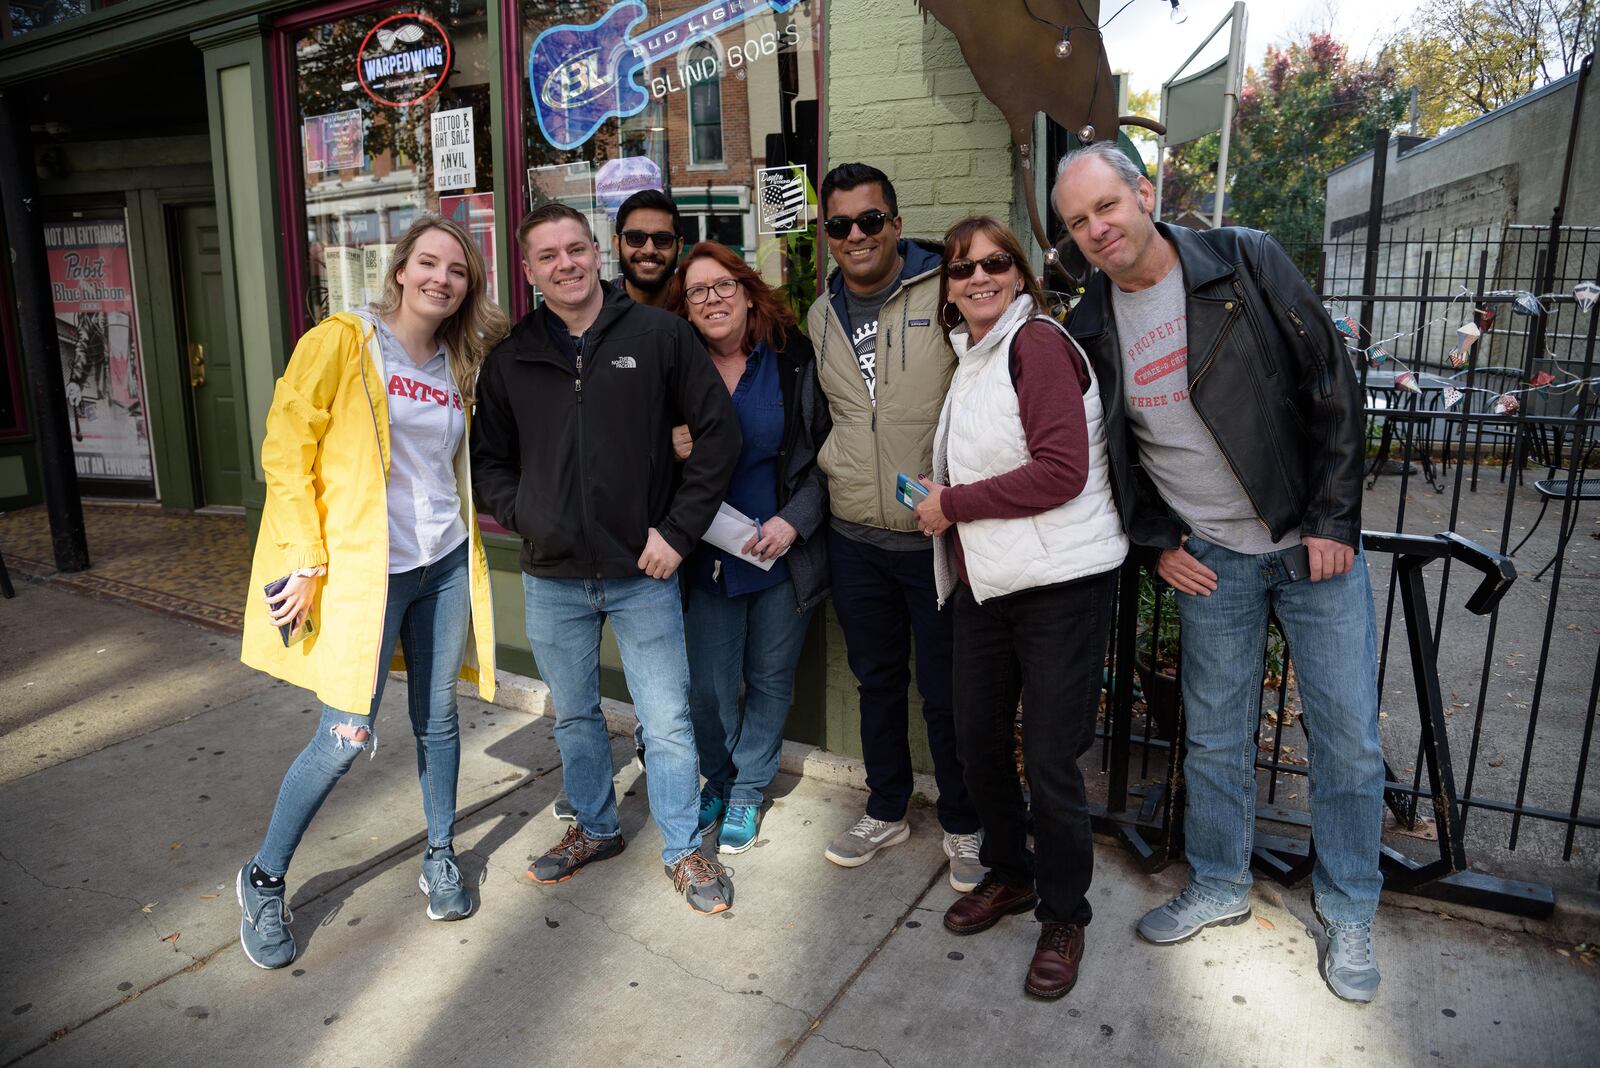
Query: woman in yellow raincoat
{"type": "Point", "coordinates": [369, 517]}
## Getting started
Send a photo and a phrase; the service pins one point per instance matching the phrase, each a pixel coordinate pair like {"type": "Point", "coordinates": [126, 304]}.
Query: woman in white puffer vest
{"type": "Point", "coordinates": [1028, 546]}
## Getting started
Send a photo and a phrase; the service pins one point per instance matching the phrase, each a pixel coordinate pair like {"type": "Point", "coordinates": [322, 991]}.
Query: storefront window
{"type": "Point", "coordinates": [714, 102]}
{"type": "Point", "coordinates": [393, 117]}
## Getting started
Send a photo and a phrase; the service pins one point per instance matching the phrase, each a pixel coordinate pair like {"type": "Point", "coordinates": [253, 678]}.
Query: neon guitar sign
{"type": "Point", "coordinates": [580, 76]}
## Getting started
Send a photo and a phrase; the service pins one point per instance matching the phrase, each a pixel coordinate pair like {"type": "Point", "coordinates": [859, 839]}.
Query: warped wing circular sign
{"type": "Point", "coordinates": [403, 60]}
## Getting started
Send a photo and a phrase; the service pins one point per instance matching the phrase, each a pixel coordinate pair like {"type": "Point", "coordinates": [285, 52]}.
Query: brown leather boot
{"type": "Point", "coordinates": [1054, 969]}
{"type": "Point", "coordinates": [986, 905]}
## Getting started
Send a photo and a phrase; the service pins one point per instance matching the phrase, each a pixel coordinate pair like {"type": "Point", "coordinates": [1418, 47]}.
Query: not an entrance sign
{"type": "Point", "coordinates": [454, 159]}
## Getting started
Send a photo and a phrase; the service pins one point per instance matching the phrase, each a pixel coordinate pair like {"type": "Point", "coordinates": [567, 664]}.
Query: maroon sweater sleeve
{"type": "Point", "coordinates": [1050, 379]}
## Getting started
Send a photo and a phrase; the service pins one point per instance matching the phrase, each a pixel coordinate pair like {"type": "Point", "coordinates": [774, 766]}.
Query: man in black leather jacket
{"type": "Point", "coordinates": [1234, 433]}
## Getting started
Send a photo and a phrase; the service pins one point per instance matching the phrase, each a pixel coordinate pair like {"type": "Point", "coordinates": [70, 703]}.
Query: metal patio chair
{"type": "Point", "coordinates": [1560, 485]}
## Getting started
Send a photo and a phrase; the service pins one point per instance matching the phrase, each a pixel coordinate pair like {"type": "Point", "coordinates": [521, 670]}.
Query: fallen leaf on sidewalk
{"type": "Point", "coordinates": [175, 845]}
{"type": "Point", "coordinates": [208, 897]}
{"type": "Point", "coordinates": [1268, 924]}
{"type": "Point", "coordinates": [150, 906]}
{"type": "Point", "coordinates": [173, 937]}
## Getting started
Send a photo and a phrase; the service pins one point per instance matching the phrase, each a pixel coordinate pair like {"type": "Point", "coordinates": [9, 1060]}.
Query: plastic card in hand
{"type": "Point", "coordinates": [908, 491]}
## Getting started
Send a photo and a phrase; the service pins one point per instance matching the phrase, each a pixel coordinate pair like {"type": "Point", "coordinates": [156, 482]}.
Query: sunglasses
{"type": "Point", "coordinates": [871, 223]}
{"type": "Point", "coordinates": [661, 239]}
{"type": "Point", "coordinates": [724, 288]}
{"type": "Point", "coordinates": [992, 264]}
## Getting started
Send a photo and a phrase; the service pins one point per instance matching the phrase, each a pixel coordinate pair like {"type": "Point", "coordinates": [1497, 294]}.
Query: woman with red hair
{"type": "Point", "coordinates": [747, 612]}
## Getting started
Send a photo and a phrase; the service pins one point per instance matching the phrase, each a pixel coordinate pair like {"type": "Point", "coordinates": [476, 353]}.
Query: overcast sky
{"type": "Point", "coordinates": [1145, 42]}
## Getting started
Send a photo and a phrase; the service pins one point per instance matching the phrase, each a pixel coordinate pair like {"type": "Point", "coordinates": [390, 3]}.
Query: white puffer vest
{"type": "Point", "coordinates": [980, 436]}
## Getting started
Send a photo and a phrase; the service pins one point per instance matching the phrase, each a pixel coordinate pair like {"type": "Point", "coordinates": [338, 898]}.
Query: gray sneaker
{"type": "Point", "coordinates": [861, 843]}
{"type": "Point", "coordinates": [966, 871]}
{"type": "Point", "coordinates": [441, 881]}
{"type": "Point", "coordinates": [1350, 967]}
{"type": "Point", "coordinates": [1186, 916]}
{"type": "Point", "coordinates": [264, 927]}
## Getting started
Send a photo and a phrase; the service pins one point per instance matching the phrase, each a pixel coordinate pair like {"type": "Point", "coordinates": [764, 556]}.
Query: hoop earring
{"type": "Point", "coordinates": [948, 306]}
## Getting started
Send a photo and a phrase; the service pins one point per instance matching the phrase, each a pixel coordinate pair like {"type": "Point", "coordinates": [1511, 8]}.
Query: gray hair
{"type": "Point", "coordinates": [1106, 152]}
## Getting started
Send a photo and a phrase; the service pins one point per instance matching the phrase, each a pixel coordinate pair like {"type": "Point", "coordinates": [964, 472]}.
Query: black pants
{"type": "Point", "coordinates": [1048, 645]}
{"type": "Point", "coordinates": [882, 597]}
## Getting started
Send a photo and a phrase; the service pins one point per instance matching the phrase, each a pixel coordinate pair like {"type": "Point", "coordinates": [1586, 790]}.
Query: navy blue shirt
{"type": "Point", "coordinates": [753, 490]}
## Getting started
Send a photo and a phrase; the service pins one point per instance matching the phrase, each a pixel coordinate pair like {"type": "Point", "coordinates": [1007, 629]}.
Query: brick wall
{"type": "Point", "coordinates": [899, 96]}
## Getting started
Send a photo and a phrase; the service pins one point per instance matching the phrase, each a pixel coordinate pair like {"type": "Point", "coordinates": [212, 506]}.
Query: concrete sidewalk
{"type": "Point", "coordinates": [119, 924]}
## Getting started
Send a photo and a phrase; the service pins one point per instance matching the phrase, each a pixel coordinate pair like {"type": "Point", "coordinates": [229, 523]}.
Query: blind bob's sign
{"type": "Point", "coordinates": [403, 60]}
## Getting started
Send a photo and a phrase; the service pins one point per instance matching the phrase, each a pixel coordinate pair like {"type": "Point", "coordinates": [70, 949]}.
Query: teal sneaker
{"type": "Point", "coordinates": [739, 827]}
{"type": "Point", "coordinates": [264, 927]}
{"type": "Point", "coordinates": [712, 808]}
{"type": "Point", "coordinates": [441, 881]}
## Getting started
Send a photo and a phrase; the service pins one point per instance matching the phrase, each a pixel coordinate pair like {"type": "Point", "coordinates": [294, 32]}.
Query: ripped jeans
{"type": "Point", "coordinates": [428, 612]}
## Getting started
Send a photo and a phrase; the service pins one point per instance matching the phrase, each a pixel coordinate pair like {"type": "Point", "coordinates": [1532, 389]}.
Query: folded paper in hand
{"type": "Point", "coordinates": [730, 530]}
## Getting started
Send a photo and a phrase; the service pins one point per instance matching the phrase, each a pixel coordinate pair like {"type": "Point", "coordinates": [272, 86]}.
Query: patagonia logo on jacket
{"type": "Point", "coordinates": [401, 386]}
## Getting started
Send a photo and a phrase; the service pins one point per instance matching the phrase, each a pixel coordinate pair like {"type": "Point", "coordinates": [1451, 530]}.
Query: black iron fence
{"type": "Point", "coordinates": [1485, 761]}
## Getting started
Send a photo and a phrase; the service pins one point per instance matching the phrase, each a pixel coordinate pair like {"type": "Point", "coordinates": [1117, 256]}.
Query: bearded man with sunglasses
{"type": "Point", "coordinates": [647, 242]}
{"type": "Point", "coordinates": [884, 366]}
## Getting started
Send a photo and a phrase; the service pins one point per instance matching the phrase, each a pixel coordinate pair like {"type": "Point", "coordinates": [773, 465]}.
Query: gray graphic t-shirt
{"type": "Point", "coordinates": [863, 326]}
{"type": "Point", "coordinates": [1176, 448]}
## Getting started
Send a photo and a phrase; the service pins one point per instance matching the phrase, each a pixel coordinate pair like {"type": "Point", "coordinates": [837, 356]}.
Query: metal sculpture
{"type": "Point", "coordinates": [1030, 56]}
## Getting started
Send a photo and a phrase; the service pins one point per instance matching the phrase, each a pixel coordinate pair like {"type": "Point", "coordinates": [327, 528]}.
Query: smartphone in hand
{"type": "Point", "coordinates": [291, 634]}
{"type": "Point", "coordinates": [1297, 561]}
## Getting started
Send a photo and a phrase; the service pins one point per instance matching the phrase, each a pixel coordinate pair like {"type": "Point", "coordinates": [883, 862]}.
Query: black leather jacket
{"type": "Point", "coordinates": [1269, 377]}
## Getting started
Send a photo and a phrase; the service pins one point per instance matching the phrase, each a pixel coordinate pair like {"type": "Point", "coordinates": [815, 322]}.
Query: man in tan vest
{"type": "Point", "coordinates": [884, 366]}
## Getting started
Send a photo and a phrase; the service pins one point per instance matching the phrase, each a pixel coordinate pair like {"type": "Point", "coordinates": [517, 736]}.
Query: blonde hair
{"type": "Point", "coordinates": [477, 325]}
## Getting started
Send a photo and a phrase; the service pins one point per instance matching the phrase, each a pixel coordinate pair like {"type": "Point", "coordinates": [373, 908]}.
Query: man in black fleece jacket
{"type": "Point", "coordinates": [571, 448]}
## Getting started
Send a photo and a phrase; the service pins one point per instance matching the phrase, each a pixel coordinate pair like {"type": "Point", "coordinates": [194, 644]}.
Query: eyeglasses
{"type": "Point", "coordinates": [724, 288]}
{"type": "Point", "coordinates": [871, 223]}
{"type": "Point", "coordinates": [994, 263]}
{"type": "Point", "coordinates": [661, 239]}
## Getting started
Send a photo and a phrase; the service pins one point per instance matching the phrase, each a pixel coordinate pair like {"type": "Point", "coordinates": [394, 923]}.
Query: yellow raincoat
{"type": "Point", "coordinates": [326, 464]}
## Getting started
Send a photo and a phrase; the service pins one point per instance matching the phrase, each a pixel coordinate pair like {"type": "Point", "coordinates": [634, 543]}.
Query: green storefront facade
{"type": "Point", "coordinates": [240, 168]}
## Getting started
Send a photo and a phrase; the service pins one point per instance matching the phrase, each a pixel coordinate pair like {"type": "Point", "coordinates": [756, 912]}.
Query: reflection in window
{"type": "Point", "coordinates": [25, 15]}
{"type": "Point", "coordinates": [394, 120]}
{"type": "Point", "coordinates": [708, 116]}
{"type": "Point", "coordinates": [705, 104]}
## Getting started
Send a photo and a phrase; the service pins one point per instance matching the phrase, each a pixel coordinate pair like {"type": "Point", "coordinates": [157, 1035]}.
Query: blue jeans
{"type": "Point", "coordinates": [750, 642]}
{"type": "Point", "coordinates": [563, 619]}
{"type": "Point", "coordinates": [428, 611]}
{"type": "Point", "coordinates": [1333, 642]}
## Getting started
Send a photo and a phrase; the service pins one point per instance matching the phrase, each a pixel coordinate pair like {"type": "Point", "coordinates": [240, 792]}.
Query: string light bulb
{"type": "Point", "coordinates": [1178, 15]}
{"type": "Point", "coordinates": [1064, 46]}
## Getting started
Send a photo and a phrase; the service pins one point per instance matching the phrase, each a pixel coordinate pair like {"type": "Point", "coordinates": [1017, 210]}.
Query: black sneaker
{"type": "Point", "coordinates": [703, 882]}
{"type": "Point", "coordinates": [575, 850]}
